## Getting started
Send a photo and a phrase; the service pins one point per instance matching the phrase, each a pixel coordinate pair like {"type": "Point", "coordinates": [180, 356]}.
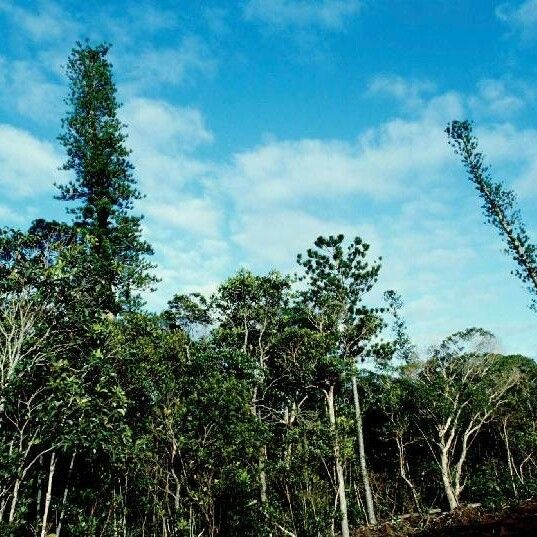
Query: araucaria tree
{"type": "Point", "coordinates": [499, 205]}
{"type": "Point", "coordinates": [337, 280]}
{"type": "Point", "coordinates": [103, 185]}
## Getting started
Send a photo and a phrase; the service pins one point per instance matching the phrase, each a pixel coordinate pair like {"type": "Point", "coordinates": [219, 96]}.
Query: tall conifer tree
{"type": "Point", "coordinates": [500, 206]}
{"type": "Point", "coordinates": [103, 182]}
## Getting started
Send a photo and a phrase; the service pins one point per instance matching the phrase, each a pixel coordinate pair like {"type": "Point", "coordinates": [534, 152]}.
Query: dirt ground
{"type": "Point", "coordinates": [520, 521]}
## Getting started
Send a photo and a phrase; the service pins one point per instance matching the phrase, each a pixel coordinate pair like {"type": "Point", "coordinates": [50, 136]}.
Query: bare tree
{"type": "Point", "coordinates": [23, 334]}
{"type": "Point", "coordinates": [465, 387]}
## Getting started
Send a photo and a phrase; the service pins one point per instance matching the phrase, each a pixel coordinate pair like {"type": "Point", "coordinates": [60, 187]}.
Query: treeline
{"type": "Point", "coordinates": [281, 405]}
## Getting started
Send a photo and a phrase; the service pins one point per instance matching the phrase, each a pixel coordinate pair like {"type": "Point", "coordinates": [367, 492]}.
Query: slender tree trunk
{"type": "Point", "coordinates": [5, 492]}
{"type": "Point", "coordinates": [263, 475]}
{"type": "Point", "coordinates": [16, 488]}
{"type": "Point", "coordinates": [510, 463]}
{"type": "Point", "coordinates": [65, 492]}
{"type": "Point", "coordinates": [446, 480]}
{"type": "Point", "coordinates": [361, 454]}
{"type": "Point", "coordinates": [39, 491]}
{"type": "Point", "coordinates": [164, 533]}
{"type": "Point", "coordinates": [339, 468]}
{"type": "Point", "coordinates": [261, 458]}
{"type": "Point", "coordinates": [48, 495]}
{"type": "Point", "coordinates": [177, 498]}
{"type": "Point", "coordinates": [403, 470]}
{"type": "Point", "coordinates": [124, 503]}
{"type": "Point", "coordinates": [3, 507]}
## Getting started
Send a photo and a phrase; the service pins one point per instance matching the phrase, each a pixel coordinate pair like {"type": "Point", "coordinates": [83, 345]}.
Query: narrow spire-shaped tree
{"type": "Point", "coordinates": [500, 206]}
{"type": "Point", "coordinates": [103, 183]}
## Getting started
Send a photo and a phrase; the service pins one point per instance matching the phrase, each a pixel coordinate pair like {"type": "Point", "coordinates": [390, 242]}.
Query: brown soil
{"type": "Point", "coordinates": [520, 521]}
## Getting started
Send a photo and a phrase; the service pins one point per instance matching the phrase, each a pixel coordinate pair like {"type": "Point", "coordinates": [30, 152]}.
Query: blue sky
{"type": "Point", "coordinates": [257, 125]}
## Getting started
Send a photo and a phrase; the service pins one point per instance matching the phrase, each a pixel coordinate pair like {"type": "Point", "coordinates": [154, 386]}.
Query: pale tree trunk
{"type": "Point", "coordinates": [262, 453]}
{"type": "Point", "coordinates": [48, 495]}
{"type": "Point", "coordinates": [452, 476]}
{"type": "Point", "coordinates": [65, 492]}
{"type": "Point", "coordinates": [3, 505]}
{"type": "Point", "coordinates": [19, 481]}
{"type": "Point", "coordinates": [447, 434]}
{"type": "Point", "coordinates": [124, 504]}
{"type": "Point", "coordinates": [18, 340]}
{"type": "Point", "coordinates": [263, 475]}
{"type": "Point", "coordinates": [403, 467]}
{"type": "Point", "coordinates": [263, 449]}
{"type": "Point", "coordinates": [261, 457]}
{"type": "Point", "coordinates": [462, 418]}
{"type": "Point", "coordinates": [510, 461]}
{"type": "Point", "coordinates": [446, 480]}
{"type": "Point", "coordinates": [39, 491]}
{"type": "Point", "coordinates": [16, 488]}
{"type": "Point", "coordinates": [361, 454]}
{"type": "Point", "coordinates": [339, 468]}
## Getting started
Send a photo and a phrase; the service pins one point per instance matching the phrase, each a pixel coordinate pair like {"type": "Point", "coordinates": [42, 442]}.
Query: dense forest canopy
{"type": "Point", "coordinates": [281, 405]}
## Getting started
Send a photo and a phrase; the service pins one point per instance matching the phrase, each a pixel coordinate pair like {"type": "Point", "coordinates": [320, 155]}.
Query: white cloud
{"type": "Point", "coordinates": [506, 144]}
{"type": "Point", "coordinates": [293, 170]}
{"type": "Point", "coordinates": [277, 236]}
{"type": "Point", "coordinates": [183, 216]}
{"type": "Point", "coordinates": [194, 215]}
{"type": "Point", "coordinates": [27, 164]}
{"type": "Point", "coordinates": [496, 99]}
{"type": "Point", "coordinates": [492, 98]}
{"type": "Point", "coordinates": [164, 127]}
{"type": "Point", "coordinates": [9, 216]}
{"type": "Point", "coordinates": [409, 91]}
{"type": "Point", "coordinates": [151, 67]}
{"type": "Point", "coordinates": [521, 17]}
{"type": "Point", "coordinates": [283, 192]}
{"type": "Point", "coordinates": [47, 22]}
{"type": "Point", "coordinates": [147, 17]}
{"type": "Point", "coordinates": [197, 267]}
{"type": "Point", "coordinates": [328, 14]}
{"type": "Point", "coordinates": [381, 164]}
{"type": "Point", "coordinates": [163, 138]}
{"type": "Point", "coordinates": [25, 88]}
